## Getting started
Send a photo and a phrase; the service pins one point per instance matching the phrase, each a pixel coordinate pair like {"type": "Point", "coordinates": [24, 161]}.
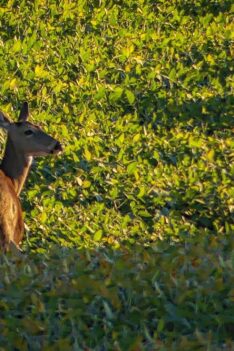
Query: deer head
{"type": "Point", "coordinates": [27, 138]}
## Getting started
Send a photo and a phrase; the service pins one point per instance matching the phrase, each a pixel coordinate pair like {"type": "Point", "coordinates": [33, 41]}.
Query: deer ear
{"type": "Point", "coordinates": [4, 121]}
{"type": "Point", "coordinates": [24, 112]}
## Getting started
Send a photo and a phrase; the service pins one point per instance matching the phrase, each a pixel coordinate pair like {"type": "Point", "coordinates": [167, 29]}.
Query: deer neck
{"type": "Point", "coordinates": [15, 165]}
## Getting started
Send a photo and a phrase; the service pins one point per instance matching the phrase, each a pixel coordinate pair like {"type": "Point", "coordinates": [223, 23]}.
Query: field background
{"type": "Point", "coordinates": [129, 240]}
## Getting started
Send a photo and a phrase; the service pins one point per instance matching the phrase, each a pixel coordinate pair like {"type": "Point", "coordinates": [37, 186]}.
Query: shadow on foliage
{"type": "Point", "coordinates": [141, 295]}
{"type": "Point", "coordinates": [210, 114]}
{"type": "Point", "coordinates": [202, 7]}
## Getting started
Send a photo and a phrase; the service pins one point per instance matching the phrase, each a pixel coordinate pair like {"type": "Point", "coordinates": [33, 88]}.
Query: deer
{"type": "Point", "coordinates": [24, 141]}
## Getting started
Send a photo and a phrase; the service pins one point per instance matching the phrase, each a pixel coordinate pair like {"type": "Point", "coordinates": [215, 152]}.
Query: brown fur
{"type": "Point", "coordinates": [11, 219]}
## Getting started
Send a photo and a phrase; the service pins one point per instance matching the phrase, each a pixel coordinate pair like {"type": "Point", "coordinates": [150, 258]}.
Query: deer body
{"type": "Point", "coordinates": [24, 141]}
{"type": "Point", "coordinates": [11, 219]}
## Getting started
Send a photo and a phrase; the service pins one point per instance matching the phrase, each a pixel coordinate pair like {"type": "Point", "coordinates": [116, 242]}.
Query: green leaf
{"type": "Point", "coordinates": [132, 167]}
{"type": "Point", "coordinates": [98, 235]}
{"type": "Point", "coordinates": [130, 96]}
{"type": "Point", "coordinates": [116, 94]}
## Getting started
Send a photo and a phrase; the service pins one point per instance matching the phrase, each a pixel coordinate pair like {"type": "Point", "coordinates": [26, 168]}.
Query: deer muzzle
{"type": "Point", "coordinates": [56, 149]}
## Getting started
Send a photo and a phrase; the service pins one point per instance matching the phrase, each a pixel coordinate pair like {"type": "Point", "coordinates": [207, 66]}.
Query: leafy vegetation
{"type": "Point", "coordinates": [160, 298]}
{"type": "Point", "coordinates": [130, 233]}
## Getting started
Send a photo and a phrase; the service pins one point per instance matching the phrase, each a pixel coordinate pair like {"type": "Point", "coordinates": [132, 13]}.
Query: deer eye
{"type": "Point", "coordinates": [28, 132]}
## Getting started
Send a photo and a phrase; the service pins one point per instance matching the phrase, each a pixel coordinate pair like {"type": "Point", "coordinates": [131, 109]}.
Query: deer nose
{"type": "Point", "coordinates": [57, 148]}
